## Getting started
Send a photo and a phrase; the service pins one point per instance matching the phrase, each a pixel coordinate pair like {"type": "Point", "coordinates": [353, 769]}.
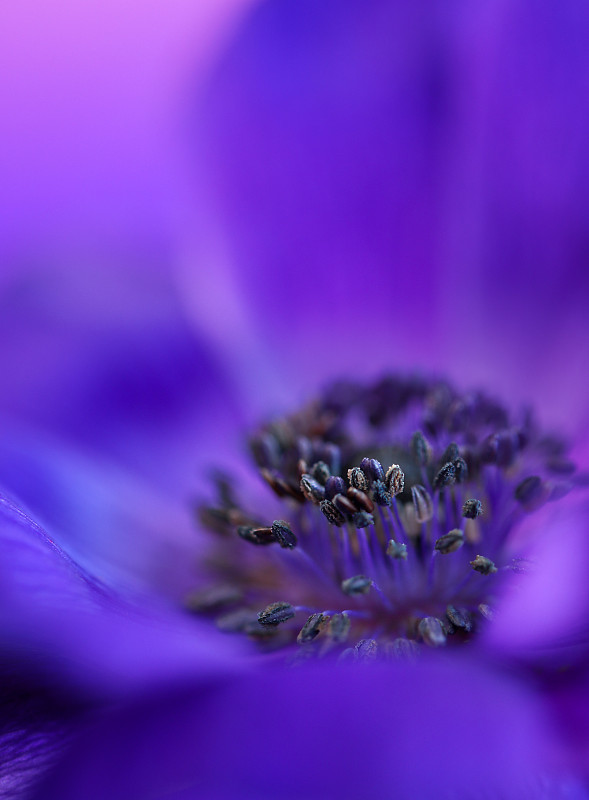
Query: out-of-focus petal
{"type": "Point", "coordinates": [33, 733]}
{"type": "Point", "coordinates": [544, 616]}
{"type": "Point", "coordinates": [125, 530]}
{"type": "Point", "coordinates": [106, 360]}
{"type": "Point", "coordinates": [569, 700]}
{"type": "Point", "coordinates": [112, 409]}
{"type": "Point", "coordinates": [62, 629]}
{"type": "Point", "coordinates": [393, 183]}
{"type": "Point", "coordinates": [37, 570]}
{"type": "Point", "coordinates": [68, 643]}
{"type": "Point", "coordinates": [435, 729]}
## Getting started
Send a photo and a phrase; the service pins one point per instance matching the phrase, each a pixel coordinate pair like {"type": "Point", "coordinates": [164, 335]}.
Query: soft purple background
{"type": "Point", "coordinates": [104, 383]}
{"type": "Point", "coordinates": [404, 183]}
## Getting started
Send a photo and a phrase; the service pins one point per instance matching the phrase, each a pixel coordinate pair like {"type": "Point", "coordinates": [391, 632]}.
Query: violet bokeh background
{"type": "Point", "coordinates": [401, 183]}
{"type": "Point", "coordinates": [90, 156]}
{"type": "Point", "coordinates": [205, 220]}
{"type": "Point", "coordinates": [101, 366]}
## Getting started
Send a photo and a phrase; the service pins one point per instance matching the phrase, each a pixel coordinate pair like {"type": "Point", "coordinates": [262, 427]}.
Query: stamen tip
{"type": "Point", "coordinates": [366, 650]}
{"type": "Point", "coordinates": [283, 534]}
{"type": "Point", "coordinates": [422, 502]}
{"type": "Point", "coordinates": [431, 631]}
{"type": "Point", "coordinates": [397, 550]}
{"type": "Point", "coordinates": [358, 479]}
{"type": "Point", "coordinates": [276, 613]}
{"type": "Point", "coordinates": [472, 509]}
{"type": "Point", "coordinates": [362, 519]}
{"type": "Point", "coordinates": [312, 628]}
{"type": "Point", "coordinates": [331, 513]}
{"type": "Point", "coordinates": [459, 617]}
{"type": "Point", "coordinates": [483, 565]}
{"type": "Point", "coordinates": [395, 479]}
{"type": "Point", "coordinates": [421, 449]}
{"type": "Point", "coordinates": [339, 627]}
{"type": "Point", "coordinates": [446, 476]}
{"type": "Point", "coordinates": [380, 494]}
{"type": "Point", "coordinates": [358, 584]}
{"type": "Point", "coordinates": [450, 542]}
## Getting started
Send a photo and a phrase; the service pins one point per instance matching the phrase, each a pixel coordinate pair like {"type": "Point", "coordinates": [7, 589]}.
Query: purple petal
{"type": "Point", "coordinates": [395, 184]}
{"type": "Point", "coordinates": [112, 409]}
{"type": "Point", "coordinates": [124, 529]}
{"type": "Point", "coordinates": [68, 643]}
{"type": "Point", "coordinates": [544, 616]}
{"type": "Point", "coordinates": [106, 360]}
{"type": "Point", "coordinates": [438, 728]}
{"type": "Point", "coordinates": [33, 734]}
{"type": "Point", "coordinates": [569, 697]}
{"type": "Point", "coordinates": [62, 628]}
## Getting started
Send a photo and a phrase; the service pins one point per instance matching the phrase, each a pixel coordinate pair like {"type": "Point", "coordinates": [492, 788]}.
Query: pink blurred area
{"type": "Point", "coordinates": [90, 142]}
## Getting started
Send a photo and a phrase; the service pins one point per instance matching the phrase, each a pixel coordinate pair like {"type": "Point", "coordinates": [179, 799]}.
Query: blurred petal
{"type": "Point", "coordinates": [569, 695]}
{"type": "Point", "coordinates": [67, 643]}
{"type": "Point", "coordinates": [545, 616]}
{"type": "Point", "coordinates": [112, 409]}
{"type": "Point", "coordinates": [62, 629]}
{"type": "Point", "coordinates": [443, 729]}
{"type": "Point", "coordinates": [39, 572]}
{"type": "Point", "coordinates": [393, 183]}
{"type": "Point", "coordinates": [129, 532]}
{"type": "Point", "coordinates": [106, 360]}
{"type": "Point", "coordinates": [33, 733]}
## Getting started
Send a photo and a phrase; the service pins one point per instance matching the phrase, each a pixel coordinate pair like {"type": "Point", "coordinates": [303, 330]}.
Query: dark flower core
{"type": "Point", "coordinates": [386, 524]}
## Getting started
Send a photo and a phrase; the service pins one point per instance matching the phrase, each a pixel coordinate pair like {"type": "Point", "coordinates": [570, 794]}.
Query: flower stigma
{"type": "Point", "coordinates": [382, 521]}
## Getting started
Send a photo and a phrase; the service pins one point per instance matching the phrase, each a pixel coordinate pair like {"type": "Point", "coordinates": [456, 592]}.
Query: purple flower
{"type": "Point", "coordinates": [387, 187]}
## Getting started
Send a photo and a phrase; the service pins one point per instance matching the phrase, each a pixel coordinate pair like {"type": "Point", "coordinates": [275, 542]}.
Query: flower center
{"type": "Point", "coordinates": [386, 523]}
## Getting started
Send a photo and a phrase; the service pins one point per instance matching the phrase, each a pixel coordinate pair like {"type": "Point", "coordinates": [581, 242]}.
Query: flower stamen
{"type": "Point", "coordinates": [397, 544]}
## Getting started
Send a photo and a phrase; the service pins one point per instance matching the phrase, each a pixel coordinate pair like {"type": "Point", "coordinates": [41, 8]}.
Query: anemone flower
{"type": "Point", "coordinates": [400, 571]}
